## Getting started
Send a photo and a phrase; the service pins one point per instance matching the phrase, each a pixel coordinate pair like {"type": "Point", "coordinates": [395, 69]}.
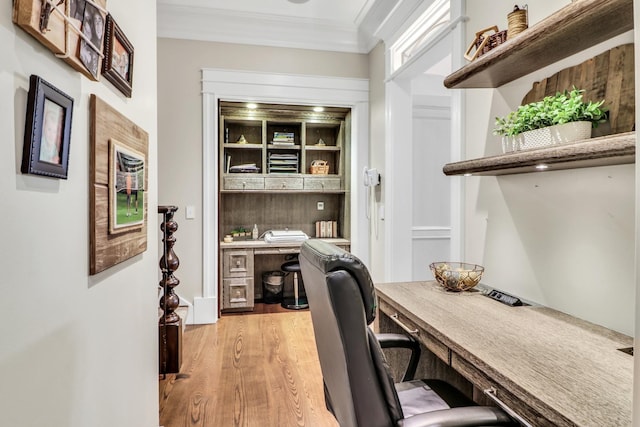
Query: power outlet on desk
{"type": "Point", "coordinates": [505, 298]}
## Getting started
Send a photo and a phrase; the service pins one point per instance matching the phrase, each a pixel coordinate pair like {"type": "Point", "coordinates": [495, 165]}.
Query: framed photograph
{"type": "Point", "coordinates": [118, 58]}
{"type": "Point", "coordinates": [126, 187]}
{"type": "Point", "coordinates": [93, 30]}
{"type": "Point", "coordinates": [47, 130]}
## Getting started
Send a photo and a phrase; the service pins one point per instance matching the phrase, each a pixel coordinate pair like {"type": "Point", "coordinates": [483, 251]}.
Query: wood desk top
{"type": "Point", "coordinates": [261, 244]}
{"type": "Point", "coordinates": [550, 360]}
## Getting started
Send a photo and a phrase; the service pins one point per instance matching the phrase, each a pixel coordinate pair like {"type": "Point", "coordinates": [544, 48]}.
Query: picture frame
{"type": "Point", "coordinates": [92, 42]}
{"type": "Point", "coordinates": [117, 66]}
{"type": "Point", "coordinates": [127, 172]}
{"type": "Point", "coordinates": [47, 130]}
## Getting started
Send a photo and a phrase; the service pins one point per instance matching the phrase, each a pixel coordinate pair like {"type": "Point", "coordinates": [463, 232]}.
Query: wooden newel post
{"type": "Point", "coordinates": [169, 324]}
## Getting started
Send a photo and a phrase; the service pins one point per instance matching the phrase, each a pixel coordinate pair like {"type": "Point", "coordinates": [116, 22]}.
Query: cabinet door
{"type": "Point", "coordinates": [321, 184]}
{"type": "Point", "coordinates": [237, 293]}
{"type": "Point", "coordinates": [283, 183]}
{"type": "Point", "coordinates": [237, 263]}
{"type": "Point", "coordinates": [243, 183]}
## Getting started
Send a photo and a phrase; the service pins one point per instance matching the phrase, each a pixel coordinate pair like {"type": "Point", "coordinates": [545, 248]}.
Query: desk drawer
{"type": "Point", "coordinates": [283, 183]}
{"type": "Point", "coordinates": [321, 184]}
{"type": "Point", "coordinates": [482, 382]}
{"type": "Point", "coordinates": [237, 263]}
{"type": "Point", "coordinates": [243, 183]}
{"type": "Point", "coordinates": [429, 341]}
{"type": "Point", "coordinates": [237, 293]}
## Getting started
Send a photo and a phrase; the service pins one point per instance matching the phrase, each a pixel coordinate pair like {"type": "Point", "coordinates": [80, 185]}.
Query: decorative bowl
{"type": "Point", "coordinates": [456, 276]}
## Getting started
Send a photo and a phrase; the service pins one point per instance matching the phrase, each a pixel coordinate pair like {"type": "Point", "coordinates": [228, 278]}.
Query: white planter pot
{"type": "Point", "coordinates": [558, 134]}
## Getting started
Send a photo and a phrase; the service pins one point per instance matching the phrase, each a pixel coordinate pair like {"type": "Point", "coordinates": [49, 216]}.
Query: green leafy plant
{"type": "Point", "coordinates": [563, 107]}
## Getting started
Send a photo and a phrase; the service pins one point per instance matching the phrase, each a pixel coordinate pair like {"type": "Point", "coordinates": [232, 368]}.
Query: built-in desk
{"type": "Point", "coordinates": [551, 368]}
{"type": "Point", "coordinates": [242, 264]}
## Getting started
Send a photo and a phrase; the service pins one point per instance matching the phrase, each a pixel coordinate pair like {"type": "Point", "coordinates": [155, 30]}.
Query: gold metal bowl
{"type": "Point", "coordinates": [456, 276]}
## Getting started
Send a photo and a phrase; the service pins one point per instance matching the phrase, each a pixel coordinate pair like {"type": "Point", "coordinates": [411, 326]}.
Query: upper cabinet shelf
{"type": "Point", "coordinates": [577, 26]}
{"type": "Point", "coordinates": [606, 150]}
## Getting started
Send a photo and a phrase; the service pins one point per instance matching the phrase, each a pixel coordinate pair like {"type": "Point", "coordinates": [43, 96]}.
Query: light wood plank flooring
{"type": "Point", "coordinates": [247, 370]}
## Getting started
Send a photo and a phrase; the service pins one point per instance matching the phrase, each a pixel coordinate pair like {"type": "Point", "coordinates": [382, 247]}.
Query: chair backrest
{"type": "Point", "coordinates": [358, 387]}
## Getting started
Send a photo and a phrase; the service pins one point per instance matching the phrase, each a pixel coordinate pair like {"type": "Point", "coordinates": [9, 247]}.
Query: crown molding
{"type": "Point", "coordinates": [208, 24]}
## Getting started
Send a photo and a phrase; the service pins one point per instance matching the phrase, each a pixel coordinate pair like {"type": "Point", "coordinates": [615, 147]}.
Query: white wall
{"type": "Point", "coordinates": [377, 157]}
{"type": "Point", "coordinates": [77, 350]}
{"type": "Point", "coordinates": [564, 239]}
{"type": "Point", "coordinates": [180, 63]}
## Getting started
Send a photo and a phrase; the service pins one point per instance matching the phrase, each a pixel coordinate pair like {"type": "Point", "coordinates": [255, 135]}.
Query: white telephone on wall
{"type": "Point", "coordinates": [371, 177]}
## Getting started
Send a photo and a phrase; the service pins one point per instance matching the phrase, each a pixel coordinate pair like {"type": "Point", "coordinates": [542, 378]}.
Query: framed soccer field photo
{"type": "Point", "coordinates": [126, 187]}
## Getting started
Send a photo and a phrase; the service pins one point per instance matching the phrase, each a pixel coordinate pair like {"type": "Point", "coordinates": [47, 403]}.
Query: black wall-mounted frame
{"type": "Point", "coordinates": [118, 58]}
{"type": "Point", "coordinates": [47, 130]}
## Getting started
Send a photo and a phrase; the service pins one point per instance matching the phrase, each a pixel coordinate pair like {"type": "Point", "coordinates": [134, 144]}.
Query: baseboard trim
{"type": "Point", "coordinates": [205, 310]}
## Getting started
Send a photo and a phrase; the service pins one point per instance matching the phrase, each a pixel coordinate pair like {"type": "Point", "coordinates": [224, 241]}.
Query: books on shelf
{"type": "Point", "coordinates": [327, 229]}
{"type": "Point", "coordinates": [246, 168]}
{"type": "Point", "coordinates": [284, 137]}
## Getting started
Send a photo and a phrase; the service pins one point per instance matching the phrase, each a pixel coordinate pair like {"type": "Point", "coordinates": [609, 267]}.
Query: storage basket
{"type": "Point", "coordinates": [484, 42]}
{"type": "Point", "coordinates": [319, 167]}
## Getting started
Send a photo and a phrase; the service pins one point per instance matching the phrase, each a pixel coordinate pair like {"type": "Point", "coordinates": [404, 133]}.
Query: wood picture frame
{"type": "Point", "coordinates": [108, 125]}
{"type": "Point", "coordinates": [117, 66]}
{"type": "Point", "coordinates": [126, 187]}
{"type": "Point", "coordinates": [47, 130]}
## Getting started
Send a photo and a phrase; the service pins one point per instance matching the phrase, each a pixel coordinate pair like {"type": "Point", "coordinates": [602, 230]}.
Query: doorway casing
{"type": "Point", "coordinates": [233, 85]}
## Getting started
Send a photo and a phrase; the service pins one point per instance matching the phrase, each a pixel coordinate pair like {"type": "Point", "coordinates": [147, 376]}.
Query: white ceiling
{"type": "Point", "coordinates": [336, 25]}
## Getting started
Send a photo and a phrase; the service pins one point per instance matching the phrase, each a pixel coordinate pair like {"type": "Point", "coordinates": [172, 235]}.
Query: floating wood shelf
{"type": "Point", "coordinates": [575, 27]}
{"type": "Point", "coordinates": [603, 151]}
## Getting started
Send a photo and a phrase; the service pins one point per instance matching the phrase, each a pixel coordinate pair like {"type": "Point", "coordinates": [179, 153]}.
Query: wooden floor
{"type": "Point", "coordinates": [247, 370]}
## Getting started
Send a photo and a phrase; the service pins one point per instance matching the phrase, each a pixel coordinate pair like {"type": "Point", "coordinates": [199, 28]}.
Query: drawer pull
{"type": "Point", "coordinates": [238, 264]}
{"type": "Point", "coordinates": [492, 393]}
{"type": "Point", "coordinates": [404, 327]}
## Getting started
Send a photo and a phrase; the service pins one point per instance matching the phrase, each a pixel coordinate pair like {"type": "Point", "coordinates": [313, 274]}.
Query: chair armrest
{"type": "Point", "coordinates": [388, 340]}
{"type": "Point", "coordinates": [467, 416]}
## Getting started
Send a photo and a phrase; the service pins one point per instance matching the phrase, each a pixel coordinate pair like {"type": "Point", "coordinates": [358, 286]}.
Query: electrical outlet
{"type": "Point", "coordinates": [320, 206]}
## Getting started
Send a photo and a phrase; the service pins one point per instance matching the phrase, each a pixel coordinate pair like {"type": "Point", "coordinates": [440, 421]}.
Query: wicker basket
{"type": "Point", "coordinates": [319, 167]}
{"type": "Point", "coordinates": [484, 42]}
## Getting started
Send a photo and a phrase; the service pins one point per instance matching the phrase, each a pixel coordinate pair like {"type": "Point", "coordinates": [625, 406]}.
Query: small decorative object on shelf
{"type": "Point", "coordinates": [517, 21]}
{"type": "Point", "coordinates": [319, 167]}
{"type": "Point", "coordinates": [241, 140]}
{"type": "Point", "coordinates": [485, 41]}
{"type": "Point", "coordinates": [170, 324]}
{"type": "Point", "coordinates": [550, 121]}
{"type": "Point", "coordinates": [456, 276]}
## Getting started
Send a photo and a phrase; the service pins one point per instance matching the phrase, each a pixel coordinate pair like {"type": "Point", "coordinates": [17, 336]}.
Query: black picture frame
{"type": "Point", "coordinates": [47, 130]}
{"type": "Point", "coordinates": [117, 66]}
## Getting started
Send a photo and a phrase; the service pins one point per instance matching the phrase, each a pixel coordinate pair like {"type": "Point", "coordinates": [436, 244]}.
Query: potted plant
{"type": "Point", "coordinates": [560, 118]}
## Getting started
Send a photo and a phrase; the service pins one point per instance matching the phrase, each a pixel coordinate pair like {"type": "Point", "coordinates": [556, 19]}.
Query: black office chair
{"type": "Point", "coordinates": [359, 389]}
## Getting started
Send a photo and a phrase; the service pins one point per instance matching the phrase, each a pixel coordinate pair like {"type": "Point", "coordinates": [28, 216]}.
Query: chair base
{"type": "Point", "coordinates": [292, 304]}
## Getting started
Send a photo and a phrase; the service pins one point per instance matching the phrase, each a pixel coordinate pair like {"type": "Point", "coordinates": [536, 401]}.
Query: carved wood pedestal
{"type": "Point", "coordinates": [169, 324]}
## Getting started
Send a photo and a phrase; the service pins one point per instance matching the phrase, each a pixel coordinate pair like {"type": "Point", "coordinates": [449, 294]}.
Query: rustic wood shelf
{"type": "Point", "coordinates": [575, 27]}
{"type": "Point", "coordinates": [247, 146]}
{"type": "Point", "coordinates": [603, 151]}
{"type": "Point", "coordinates": [322, 148]}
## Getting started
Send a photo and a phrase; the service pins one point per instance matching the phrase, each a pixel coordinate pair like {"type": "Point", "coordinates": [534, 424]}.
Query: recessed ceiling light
{"type": "Point", "coordinates": [318, 109]}
{"type": "Point", "coordinates": [298, 1]}
{"type": "Point", "coordinates": [252, 106]}
{"type": "Point", "coordinates": [542, 167]}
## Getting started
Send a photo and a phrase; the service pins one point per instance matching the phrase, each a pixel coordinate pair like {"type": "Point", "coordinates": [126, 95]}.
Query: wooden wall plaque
{"type": "Point", "coordinates": [609, 76]}
{"type": "Point", "coordinates": [59, 36]}
{"type": "Point", "coordinates": [107, 250]}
